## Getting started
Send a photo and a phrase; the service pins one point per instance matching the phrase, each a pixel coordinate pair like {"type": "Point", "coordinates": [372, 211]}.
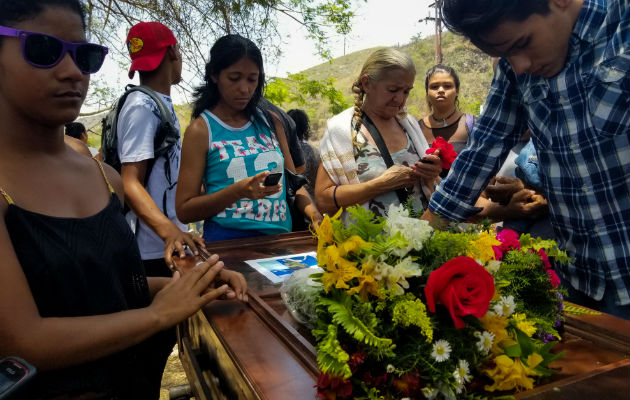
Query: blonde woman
{"type": "Point", "coordinates": [353, 170]}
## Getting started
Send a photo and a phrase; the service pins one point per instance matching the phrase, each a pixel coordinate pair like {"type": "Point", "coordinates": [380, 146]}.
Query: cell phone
{"type": "Point", "coordinates": [14, 372]}
{"type": "Point", "coordinates": [272, 179]}
{"type": "Point", "coordinates": [425, 161]}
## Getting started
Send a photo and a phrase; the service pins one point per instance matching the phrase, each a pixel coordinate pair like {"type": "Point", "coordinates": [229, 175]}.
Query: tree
{"type": "Point", "coordinates": [198, 23]}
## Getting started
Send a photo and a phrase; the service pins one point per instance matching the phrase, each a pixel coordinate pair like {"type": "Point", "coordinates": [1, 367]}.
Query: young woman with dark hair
{"type": "Point", "coordinates": [445, 120]}
{"type": "Point", "coordinates": [76, 302]}
{"type": "Point", "coordinates": [231, 147]}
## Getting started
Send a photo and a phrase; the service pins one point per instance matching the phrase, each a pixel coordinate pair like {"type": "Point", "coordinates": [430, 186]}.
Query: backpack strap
{"type": "Point", "coordinates": [164, 111]}
{"type": "Point", "coordinates": [402, 193]}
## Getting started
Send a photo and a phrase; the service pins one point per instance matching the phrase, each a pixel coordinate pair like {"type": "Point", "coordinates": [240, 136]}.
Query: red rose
{"type": "Point", "coordinates": [463, 286]}
{"type": "Point", "coordinates": [447, 152]}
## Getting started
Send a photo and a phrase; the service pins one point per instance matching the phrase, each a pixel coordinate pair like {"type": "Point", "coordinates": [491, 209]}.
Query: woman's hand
{"type": "Point", "coordinates": [186, 294]}
{"type": "Point", "coordinates": [431, 166]}
{"type": "Point", "coordinates": [176, 241]}
{"type": "Point", "coordinates": [398, 176]}
{"type": "Point", "coordinates": [526, 204]}
{"type": "Point", "coordinates": [237, 285]}
{"type": "Point", "coordinates": [501, 189]}
{"type": "Point", "coordinates": [253, 188]}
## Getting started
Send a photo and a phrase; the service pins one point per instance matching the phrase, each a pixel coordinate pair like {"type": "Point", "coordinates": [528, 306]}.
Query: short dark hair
{"type": "Point", "coordinates": [302, 123]}
{"type": "Point", "coordinates": [12, 11]}
{"type": "Point", "coordinates": [476, 18]}
{"type": "Point", "coordinates": [227, 51]}
{"type": "Point", "coordinates": [75, 129]}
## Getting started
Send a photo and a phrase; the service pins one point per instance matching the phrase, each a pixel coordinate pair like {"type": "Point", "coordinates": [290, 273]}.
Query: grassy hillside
{"type": "Point", "coordinates": [473, 67]}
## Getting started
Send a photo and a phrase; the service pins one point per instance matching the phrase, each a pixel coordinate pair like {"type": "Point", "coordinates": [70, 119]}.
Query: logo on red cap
{"type": "Point", "coordinates": [134, 45]}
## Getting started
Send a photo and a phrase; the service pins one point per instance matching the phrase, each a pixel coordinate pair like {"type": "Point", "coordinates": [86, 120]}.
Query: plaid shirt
{"type": "Point", "coordinates": [580, 124]}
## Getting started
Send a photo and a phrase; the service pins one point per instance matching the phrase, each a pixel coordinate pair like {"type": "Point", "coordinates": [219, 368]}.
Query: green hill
{"type": "Point", "coordinates": [473, 67]}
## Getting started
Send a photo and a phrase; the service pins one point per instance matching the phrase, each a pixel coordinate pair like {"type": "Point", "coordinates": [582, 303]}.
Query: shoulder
{"type": "Point", "coordinates": [197, 130]}
{"type": "Point", "coordinates": [141, 105]}
{"type": "Point", "coordinates": [341, 122]}
{"type": "Point", "coordinates": [114, 180]}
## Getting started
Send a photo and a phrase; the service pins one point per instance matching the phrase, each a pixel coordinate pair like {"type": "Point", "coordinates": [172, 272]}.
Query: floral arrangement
{"type": "Point", "coordinates": [446, 152]}
{"type": "Point", "coordinates": [406, 311]}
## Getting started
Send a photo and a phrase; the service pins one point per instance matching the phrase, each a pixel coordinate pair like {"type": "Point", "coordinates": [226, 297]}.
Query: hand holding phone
{"type": "Point", "coordinates": [272, 179]}
{"type": "Point", "coordinates": [14, 372]}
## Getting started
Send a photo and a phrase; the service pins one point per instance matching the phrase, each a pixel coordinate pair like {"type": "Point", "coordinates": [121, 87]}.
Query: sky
{"type": "Point", "coordinates": [377, 23]}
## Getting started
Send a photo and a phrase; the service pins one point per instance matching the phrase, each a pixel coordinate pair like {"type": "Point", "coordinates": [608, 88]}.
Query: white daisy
{"type": "Point", "coordinates": [430, 393]}
{"type": "Point", "coordinates": [462, 372]}
{"type": "Point", "coordinates": [486, 339]}
{"type": "Point", "coordinates": [505, 306]}
{"type": "Point", "coordinates": [441, 350]}
{"type": "Point", "coordinates": [390, 368]}
{"type": "Point", "coordinates": [492, 266]}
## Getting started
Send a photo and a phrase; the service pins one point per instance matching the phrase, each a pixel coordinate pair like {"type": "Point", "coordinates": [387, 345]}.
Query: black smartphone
{"type": "Point", "coordinates": [272, 179]}
{"type": "Point", "coordinates": [425, 161]}
{"type": "Point", "coordinates": [14, 372]}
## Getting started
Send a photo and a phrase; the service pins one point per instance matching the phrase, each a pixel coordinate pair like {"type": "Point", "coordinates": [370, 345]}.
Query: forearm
{"type": "Point", "coordinates": [199, 208]}
{"type": "Point", "coordinates": [306, 205]}
{"type": "Point", "coordinates": [147, 211]}
{"type": "Point", "coordinates": [51, 343]}
{"type": "Point", "coordinates": [347, 195]}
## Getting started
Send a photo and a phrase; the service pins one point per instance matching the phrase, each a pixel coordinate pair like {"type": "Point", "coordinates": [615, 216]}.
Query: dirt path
{"type": "Point", "coordinates": [173, 374]}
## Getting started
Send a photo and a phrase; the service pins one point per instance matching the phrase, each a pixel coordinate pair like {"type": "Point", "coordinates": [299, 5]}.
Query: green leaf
{"type": "Point", "coordinates": [513, 351]}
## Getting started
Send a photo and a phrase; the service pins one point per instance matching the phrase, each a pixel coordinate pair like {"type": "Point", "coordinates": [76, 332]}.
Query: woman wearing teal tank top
{"type": "Point", "coordinates": [231, 147]}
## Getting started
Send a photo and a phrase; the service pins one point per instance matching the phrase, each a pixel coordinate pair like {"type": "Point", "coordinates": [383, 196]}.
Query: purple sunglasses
{"type": "Point", "coordinates": [46, 51]}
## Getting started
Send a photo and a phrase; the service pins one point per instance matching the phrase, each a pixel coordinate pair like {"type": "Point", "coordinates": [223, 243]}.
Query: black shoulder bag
{"type": "Point", "coordinates": [402, 193]}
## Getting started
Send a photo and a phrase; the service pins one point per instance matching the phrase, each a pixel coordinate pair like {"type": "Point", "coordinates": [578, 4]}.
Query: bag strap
{"type": "Point", "coordinates": [382, 148]}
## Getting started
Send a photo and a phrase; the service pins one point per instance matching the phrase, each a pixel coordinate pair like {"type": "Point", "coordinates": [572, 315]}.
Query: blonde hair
{"type": "Point", "coordinates": [377, 64]}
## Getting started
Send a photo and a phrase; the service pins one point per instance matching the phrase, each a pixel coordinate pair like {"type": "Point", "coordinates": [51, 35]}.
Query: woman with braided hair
{"type": "Point", "coordinates": [353, 170]}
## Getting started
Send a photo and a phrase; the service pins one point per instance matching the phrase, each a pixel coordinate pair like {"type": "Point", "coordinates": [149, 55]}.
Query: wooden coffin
{"type": "Point", "coordinates": [255, 350]}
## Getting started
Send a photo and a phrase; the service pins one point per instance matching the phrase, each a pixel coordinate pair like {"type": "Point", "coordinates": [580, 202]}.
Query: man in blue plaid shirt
{"type": "Point", "coordinates": [565, 74]}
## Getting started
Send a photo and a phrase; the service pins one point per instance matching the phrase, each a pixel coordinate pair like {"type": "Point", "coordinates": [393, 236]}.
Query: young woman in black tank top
{"type": "Point", "coordinates": [75, 300]}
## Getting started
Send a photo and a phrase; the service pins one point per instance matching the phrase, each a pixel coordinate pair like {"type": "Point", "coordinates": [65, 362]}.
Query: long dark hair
{"type": "Point", "coordinates": [227, 51]}
{"type": "Point", "coordinates": [302, 123]}
{"type": "Point", "coordinates": [13, 12]}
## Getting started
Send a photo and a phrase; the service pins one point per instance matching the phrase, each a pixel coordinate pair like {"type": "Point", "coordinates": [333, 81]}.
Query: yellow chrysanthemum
{"type": "Point", "coordinates": [509, 374]}
{"type": "Point", "coordinates": [524, 325]}
{"type": "Point", "coordinates": [496, 324]}
{"type": "Point", "coordinates": [481, 248]}
{"type": "Point", "coordinates": [338, 270]}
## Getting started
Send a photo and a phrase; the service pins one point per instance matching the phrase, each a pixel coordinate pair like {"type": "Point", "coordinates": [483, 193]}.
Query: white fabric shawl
{"type": "Point", "coordinates": [337, 151]}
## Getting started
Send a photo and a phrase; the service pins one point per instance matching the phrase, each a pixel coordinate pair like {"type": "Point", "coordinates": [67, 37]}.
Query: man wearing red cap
{"type": "Point", "coordinates": [155, 55]}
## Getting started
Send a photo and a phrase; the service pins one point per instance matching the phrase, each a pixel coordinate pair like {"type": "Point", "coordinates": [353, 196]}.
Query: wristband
{"type": "Point", "coordinates": [335, 197]}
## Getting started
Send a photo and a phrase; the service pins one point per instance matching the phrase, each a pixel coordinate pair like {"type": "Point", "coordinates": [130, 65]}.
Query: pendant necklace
{"type": "Point", "coordinates": [444, 124]}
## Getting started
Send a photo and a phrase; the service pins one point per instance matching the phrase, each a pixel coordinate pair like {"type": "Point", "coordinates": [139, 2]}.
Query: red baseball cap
{"type": "Point", "coordinates": [147, 43]}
